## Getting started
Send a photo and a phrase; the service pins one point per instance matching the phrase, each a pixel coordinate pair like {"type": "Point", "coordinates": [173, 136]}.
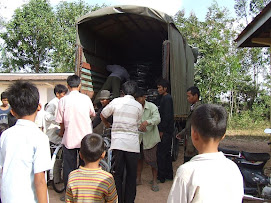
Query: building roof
{"type": "Point", "coordinates": [257, 33]}
{"type": "Point", "coordinates": [33, 76]}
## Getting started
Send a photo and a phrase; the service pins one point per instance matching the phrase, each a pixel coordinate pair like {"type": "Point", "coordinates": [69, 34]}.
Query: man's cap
{"type": "Point", "coordinates": [104, 94]}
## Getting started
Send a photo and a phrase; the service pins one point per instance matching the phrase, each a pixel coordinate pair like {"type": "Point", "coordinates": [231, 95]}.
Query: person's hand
{"type": "Point", "coordinates": [62, 129]}
{"type": "Point", "coordinates": [143, 126]}
{"type": "Point", "coordinates": [107, 125]}
{"type": "Point", "coordinates": [161, 134]}
{"type": "Point", "coordinates": [181, 134]}
{"type": "Point", "coordinates": [61, 133]}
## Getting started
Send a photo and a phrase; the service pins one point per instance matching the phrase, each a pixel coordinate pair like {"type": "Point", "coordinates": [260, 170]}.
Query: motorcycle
{"type": "Point", "coordinates": [257, 185]}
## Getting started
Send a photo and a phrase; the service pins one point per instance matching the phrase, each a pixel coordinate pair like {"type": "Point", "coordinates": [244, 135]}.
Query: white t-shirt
{"type": "Point", "coordinates": [127, 113]}
{"type": "Point", "coordinates": [51, 126]}
{"type": "Point", "coordinates": [24, 151]}
{"type": "Point", "coordinates": [207, 178]}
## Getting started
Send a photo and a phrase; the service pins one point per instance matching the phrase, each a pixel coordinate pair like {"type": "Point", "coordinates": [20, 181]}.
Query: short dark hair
{"type": "Point", "coordinates": [140, 93]}
{"type": "Point", "coordinates": [92, 147]}
{"type": "Point", "coordinates": [23, 98]}
{"type": "Point", "coordinates": [73, 81]}
{"type": "Point", "coordinates": [60, 88]}
{"type": "Point", "coordinates": [164, 83]}
{"type": "Point", "coordinates": [210, 120]}
{"type": "Point", "coordinates": [3, 127]}
{"type": "Point", "coordinates": [4, 95]}
{"type": "Point", "coordinates": [194, 90]}
{"type": "Point", "coordinates": [130, 87]}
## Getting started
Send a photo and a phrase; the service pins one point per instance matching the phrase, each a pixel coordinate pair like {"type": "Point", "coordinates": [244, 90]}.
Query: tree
{"type": "Point", "coordinates": [28, 37]}
{"type": "Point", "coordinates": [256, 6]}
{"type": "Point", "coordinates": [65, 33]}
{"type": "Point", "coordinates": [240, 8]}
{"type": "Point", "coordinates": [214, 38]}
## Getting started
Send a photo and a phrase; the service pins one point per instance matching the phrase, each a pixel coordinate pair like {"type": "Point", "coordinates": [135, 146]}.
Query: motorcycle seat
{"type": "Point", "coordinates": [228, 151]}
{"type": "Point", "coordinates": [256, 156]}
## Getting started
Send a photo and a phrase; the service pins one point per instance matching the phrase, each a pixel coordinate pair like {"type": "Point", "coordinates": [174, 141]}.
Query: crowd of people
{"type": "Point", "coordinates": [141, 131]}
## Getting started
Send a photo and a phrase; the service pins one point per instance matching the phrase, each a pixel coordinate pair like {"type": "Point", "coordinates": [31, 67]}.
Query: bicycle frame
{"type": "Point", "coordinates": [53, 159]}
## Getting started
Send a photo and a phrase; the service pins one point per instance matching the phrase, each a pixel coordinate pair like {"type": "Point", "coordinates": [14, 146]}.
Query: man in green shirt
{"type": "Point", "coordinates": [149, 138]}
{"type": "Point", "coordinates": [193, 95]}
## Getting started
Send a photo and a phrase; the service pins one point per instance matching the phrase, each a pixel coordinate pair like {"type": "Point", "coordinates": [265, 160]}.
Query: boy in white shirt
{"type": "Point", "coordinates": [209, 176]}
{"type": "Point", "coordinates": [24, 150]}
{"type": "Point", "coordinates": [51, 126]}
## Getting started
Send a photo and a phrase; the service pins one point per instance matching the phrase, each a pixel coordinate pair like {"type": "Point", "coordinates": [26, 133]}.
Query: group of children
{"type": "Point", "coordinates": [25, 157]}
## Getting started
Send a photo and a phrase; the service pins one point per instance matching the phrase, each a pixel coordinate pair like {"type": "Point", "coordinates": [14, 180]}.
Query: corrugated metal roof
{"type": "Point", "coordinates": [33, 76]}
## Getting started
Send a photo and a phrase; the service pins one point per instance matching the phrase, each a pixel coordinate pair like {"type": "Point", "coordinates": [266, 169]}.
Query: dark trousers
{"type": "Point", "coordinates": [70, 157]}
{"type": "Point", "coordinates": [126, 160]}
{"type": "Point", "coordinates": [164, 160]}
{"type": "Point", "coordinates": [112, 84]}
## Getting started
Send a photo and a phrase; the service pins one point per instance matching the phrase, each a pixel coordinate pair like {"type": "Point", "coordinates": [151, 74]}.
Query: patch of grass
{"type": "Point", "coordinates": [247, 134]}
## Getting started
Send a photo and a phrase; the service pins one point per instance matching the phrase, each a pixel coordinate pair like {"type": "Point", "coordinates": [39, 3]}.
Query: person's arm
{"type": "Point", "coordinates": [109, 68]}
{"type": "Point", "coordinates": [178, 192]}
{"type": "Point", "coordinates": [153, 120]}
{"type": "Point", "coordinates": [106, 112]}
{"type": "Point", "coordinates": [68, 196]}
{"type": "Point", "coordinates": [97, 120]}
{"type": "Point", "coordinates": [92, 110]}
{"type": "Point", "coordinates": [167, 115]}
{"type": "Point", "coordinates": [106, 123]}
{"type": "Point", "coordinates": [126, 75]}
{"type": "Point", "coordinates": [41, 187]}
{"type": "Point", "coordinates": [62, 130]}
{"type": "Point", "coordinates": [49, 114]}
{"type": "Point", "coordinates": [111, 196]}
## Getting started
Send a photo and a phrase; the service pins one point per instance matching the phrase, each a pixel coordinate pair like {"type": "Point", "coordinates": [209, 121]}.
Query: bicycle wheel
{"type": "Point", "coordinates": [104, 165]}
{"type": "Point", "coordinates": [58, 182]}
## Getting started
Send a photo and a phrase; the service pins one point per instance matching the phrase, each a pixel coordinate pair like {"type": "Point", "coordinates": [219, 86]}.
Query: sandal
{"type": "Point", "coordinates": [155, 188]}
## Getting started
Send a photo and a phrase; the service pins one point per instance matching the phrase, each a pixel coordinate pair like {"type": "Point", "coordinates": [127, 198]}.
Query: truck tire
{"type": "Point", "coordinates": [175, 146]}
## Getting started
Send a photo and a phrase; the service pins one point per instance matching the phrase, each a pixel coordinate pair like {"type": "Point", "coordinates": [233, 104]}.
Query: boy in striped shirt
{"type": "Point", "coordinates": [90, 183]}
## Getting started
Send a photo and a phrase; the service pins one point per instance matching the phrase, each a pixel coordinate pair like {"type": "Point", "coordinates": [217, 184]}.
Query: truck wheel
{"type": "Point", "coordinates": [175, 146]}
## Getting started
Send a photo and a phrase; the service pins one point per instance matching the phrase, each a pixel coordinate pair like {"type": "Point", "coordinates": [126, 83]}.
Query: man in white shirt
{"type": "Point", "coordinates": [51, 126]}
{"type": "Point", "coordinates": [209, 176]}
{"type": "Point", "coordinates": [127, 113]}
{"type": "Point", "coordinates": [73, 115]}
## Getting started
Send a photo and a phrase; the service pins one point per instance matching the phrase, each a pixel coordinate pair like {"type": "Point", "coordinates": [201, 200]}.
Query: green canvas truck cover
{"type": "Point", "coordinates": [124, 29]}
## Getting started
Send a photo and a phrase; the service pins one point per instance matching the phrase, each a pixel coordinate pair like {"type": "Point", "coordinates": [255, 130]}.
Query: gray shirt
{"type": "Point", "coordinates": [118, 71]}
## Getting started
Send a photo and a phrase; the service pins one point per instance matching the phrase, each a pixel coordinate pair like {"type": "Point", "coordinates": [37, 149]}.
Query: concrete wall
{"type": "Point", "coordinates": [46, 88]}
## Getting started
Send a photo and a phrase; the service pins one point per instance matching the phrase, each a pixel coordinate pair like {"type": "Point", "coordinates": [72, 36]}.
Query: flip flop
{"type": "Point", "coordinates": [155, 188]}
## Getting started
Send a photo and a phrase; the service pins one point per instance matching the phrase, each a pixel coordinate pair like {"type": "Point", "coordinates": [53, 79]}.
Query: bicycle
{"type": "Point", "coordinates": [56, 172]}
{"type": "Point", "coordinates": [106, 162]}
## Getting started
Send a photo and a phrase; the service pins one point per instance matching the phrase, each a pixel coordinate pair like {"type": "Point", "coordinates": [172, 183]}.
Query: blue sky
{"type": "Point", "coordinates": [199, 7]}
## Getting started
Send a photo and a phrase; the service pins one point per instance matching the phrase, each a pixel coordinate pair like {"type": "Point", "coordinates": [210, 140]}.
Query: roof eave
{"type": "Point", "coordinates": [251, 28]}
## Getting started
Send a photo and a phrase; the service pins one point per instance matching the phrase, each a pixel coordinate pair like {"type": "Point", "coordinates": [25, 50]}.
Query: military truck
{"type": "Point", "coordinates": [144, 41]}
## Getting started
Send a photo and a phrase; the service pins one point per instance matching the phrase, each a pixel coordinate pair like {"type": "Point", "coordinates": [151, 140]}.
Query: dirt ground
{"type": "Point", "coordinates": [146, 195]}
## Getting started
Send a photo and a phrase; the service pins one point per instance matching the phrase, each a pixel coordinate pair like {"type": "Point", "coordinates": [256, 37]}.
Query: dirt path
{"type": "Point", "coordinates": [146, 195]}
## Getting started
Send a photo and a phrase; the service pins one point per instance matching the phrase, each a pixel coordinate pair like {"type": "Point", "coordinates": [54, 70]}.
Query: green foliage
{"type": "Point", "coordinates": [214, 37]}
{"type": "Point", "coordinates": [244, 121]}
{"type": "Point", "coordinates": [28, 37]}
{"type": "Point", "coordinates": [65, 34]}
{"type": "Point", "coordinates": [40, 39]}
{"type": "Point", "coordinates": [256, 6]}
{"type": "Point", "coordinates": [223, 69]}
